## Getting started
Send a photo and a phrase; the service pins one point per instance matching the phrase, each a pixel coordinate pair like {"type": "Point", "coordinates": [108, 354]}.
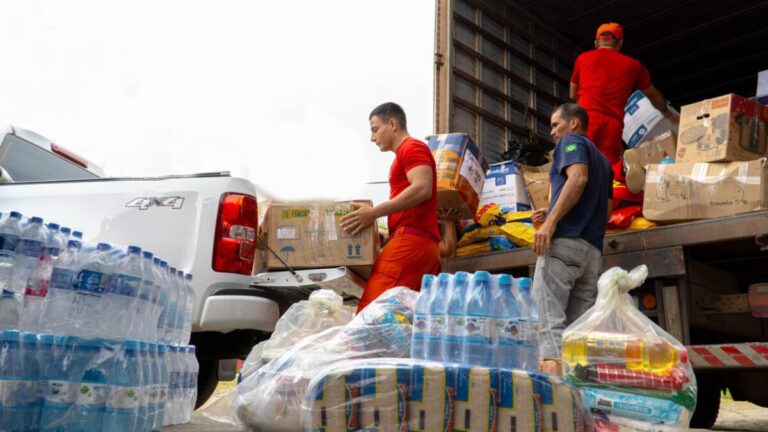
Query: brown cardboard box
{"type": "Point", "coordinates": [461, 172]}
{"type": "Point", "coordinates": [726, 128]}
{"type": "Point", "coordinates": [647, 152]}
{"type": "Point", "coordinates": [537, 183]}
{"type": "Point", "coordinates": [307, 235]}
{"type": "Point", "coordinates": [685, 191]}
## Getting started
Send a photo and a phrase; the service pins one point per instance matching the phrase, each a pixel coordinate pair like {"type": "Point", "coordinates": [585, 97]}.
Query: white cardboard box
{"type": "Point", "coordinates": [643, 121]}
{"type": "Point", "coordinates": [504, 185]}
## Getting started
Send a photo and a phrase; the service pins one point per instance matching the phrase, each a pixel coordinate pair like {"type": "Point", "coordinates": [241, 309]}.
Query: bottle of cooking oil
{"type": "Point", "coordinates": [619, 349]}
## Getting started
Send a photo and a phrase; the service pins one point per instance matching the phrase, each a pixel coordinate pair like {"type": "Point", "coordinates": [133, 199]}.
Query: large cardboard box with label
{"type": "Point", "coordinates": [642, 121]}
{"type": "Point", "coordinates": [460, 172]}
{"type": "Point", "coordinates": [308, 235]}
{"type": "Point", "coordinates": [537, 184]}
{"type": "Point", "coordinates": [726, 128]}
{"type": "Point", "coordinates": [685, 191]}
{"type": "Point", "coordinates": [504, 185]}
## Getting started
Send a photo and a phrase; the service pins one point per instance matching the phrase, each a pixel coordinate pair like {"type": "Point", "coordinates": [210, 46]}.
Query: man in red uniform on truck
{"type": "Point", "coordinates": [412, 248]}
{"type": "Point", "coordinates": [602, 81]}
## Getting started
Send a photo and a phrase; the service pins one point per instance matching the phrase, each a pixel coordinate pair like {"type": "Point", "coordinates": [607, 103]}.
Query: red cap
{"type": "Point", "coordinates": [613, 28]}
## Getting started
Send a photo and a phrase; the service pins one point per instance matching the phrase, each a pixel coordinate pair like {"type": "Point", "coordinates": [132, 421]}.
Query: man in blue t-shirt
{"type": "Point", "coordinates": [569, 240]}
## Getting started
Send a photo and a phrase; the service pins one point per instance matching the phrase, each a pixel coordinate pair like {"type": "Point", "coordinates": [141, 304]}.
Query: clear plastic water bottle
{"type": "Point", "coordinates": [436, 318]}
{"type": "Point", "coordinates": [181, 308]}
{"type": "Point", "coordinates": [173, 386]}
{"type": "Point", "coordinates": [164, 383]}
{"type": "Point", "coordinates": [507, 317]}
{"type": "Point", "coordinates": [29, 249]}
{"type": "Point", "coordinates": [173, 298]}
{"type": "Point", "coordinates": [78, 235]}
{"type": "Point", "coordinates": [63, 385]}
{"type": "Point", "coordinates": [195, 370]}
{"type": "Point", "coordinates": [420, 314]}
{"type": "Point", "coordinates": [31, 373]}
{"type": "Point", "coordinates": [144, 422]}
{"type": "Point", "coordinates": [44, 363]}
{"type": "Point", "coordinates": [92, 395]}
{"type": "Point", "coordinates": [10, 232]}
{"type": "Point", "coordinates": [476, 342]}
{"type": "Point", "coordinates": [37, 285]}
{"type": "Point", "coordinates": [144, 303]}
{"type": "Point", "coordinates": [58, 302]}
{"type": "Point", "coordinates": [530, 344]}
{"type": "Point", "coordinates": [66, 233]}
{"type": "Point", "coordinates": [124, 380]}
{"type": "Point", "coordinates": [186, 372]}
{"type": "Point", "coordinates": [454, 327]}
{"type": "Point", "coordinates": [12, 381]}
{"type": "Point", "coordinates": [154, 387]}
{"type": "Point", "coordinates": [122, 293]}
{"type": "Point", "coordinates": [90, 284]}
{"type": "Point", "coordinates": [190, 307]}
{"type": "Point", "coordinates": [161, 279]}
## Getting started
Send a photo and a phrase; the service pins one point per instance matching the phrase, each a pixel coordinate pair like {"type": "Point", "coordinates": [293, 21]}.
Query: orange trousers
{"type": "Point", "coordinates": [404, 261]}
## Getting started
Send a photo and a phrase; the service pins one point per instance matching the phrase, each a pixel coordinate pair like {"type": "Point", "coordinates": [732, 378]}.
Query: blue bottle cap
{"type": "Point", "coordinates": [163, 264]}
{"type": "Point", "coordinates": [132, 344]}
{"type": "Point", "coordinates": [46, 338]}
{"type": "Point", "coordinates": [36, 220]}
{"type": "Point", "coordinates": [148, 255]}
{"type": "Point", "coordinates": [29, 338]}
{"type": "Point", "coordinates": [482, 277]}
{"type": "Point", "coordinates": [15, 215]}
{"type": "Point", "coordinates": [74, 244]}
{"type": "Point", "coordinates": [173, 269]}
{"type": "Point", "coordinates": [524, 283]}
{"type": "Point", "coordinates": [66, 230]}
{"type": "Point", "coordinates": [104, 246]}
{"type": "Point", "coordinates": [505, 280]}
{"type": "Point", "coordinates": [162, 348]}
{"type": "Point", "coordinates": [180, 273]}
{"type": "Point", "coordinates": [188, 277]}
{"type": "Point", "coordinates": [192, 349]}
{"type": "Point", "coordinates": [460, 278]}
{"type": "Point", "coordinates": [77, 234]}
{"type": "Point", "coordinates": [10, 336]}
{"type": "Point", "coordinates": [53, 226]}
{"type": "Point", "coordinates": [427, 281]}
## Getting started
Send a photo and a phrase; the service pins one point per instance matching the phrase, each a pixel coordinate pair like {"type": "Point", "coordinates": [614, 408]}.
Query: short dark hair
{"type": "Point", "coordinates": [389, 110]}
{"type": "Point", "coordinates": [571, 110]}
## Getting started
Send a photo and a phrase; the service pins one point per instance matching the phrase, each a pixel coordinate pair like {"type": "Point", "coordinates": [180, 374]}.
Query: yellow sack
{"type": "Point", "coordinates": [640, 222]}
{"type": "Point", "coordinates": [482, 233]}
{"type": "Point", "coordinates": [489, 213]}
{"type": "Point", "coordinates": [518, 216]}
{"type": "Point", "coordinates": [474, 249]}
{"type": "Point", "coordinates": [519, 233]}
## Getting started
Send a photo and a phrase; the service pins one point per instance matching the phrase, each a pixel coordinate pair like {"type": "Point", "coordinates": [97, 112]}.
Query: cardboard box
{"type": "Point", "coordinates": [648, 152]}
{"type": "Point", "coordinates": [642, 121]}
{"type": "Point", "coordinates": [537, 184]}
{"type": "Point", "coordinates": [685, 191]}
{"type": "Point", "coordinates": [460, 172]}
{"type": "Point", "coordinates": [308, 235]}
{"type": "Point", "coordinates": [726, 128]}
{"type": "Point", "coordinates": [504, 186]}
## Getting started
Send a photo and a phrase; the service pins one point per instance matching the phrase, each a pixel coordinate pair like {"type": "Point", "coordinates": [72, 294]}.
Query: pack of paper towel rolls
{"type": "Point", "coordinates": [393, 395]}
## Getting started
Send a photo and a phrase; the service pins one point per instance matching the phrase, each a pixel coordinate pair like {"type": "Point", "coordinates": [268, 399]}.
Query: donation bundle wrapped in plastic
{"type": "Point", "coordinates": [631, 373]}
{"type": "Point", "coordinates": [392, 395]}
{"type": "Point", "coordinates": [270, 399]}
{"type": "Point", "coordinates": [323, 310]}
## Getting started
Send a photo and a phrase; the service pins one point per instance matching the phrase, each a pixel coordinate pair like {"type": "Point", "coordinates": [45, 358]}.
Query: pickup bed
{"type": "Point", "coordinates": [204, 224]}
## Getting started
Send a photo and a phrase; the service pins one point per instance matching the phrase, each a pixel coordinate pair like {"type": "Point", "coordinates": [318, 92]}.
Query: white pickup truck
{"type": "Point", "coordinates": [204, 224]}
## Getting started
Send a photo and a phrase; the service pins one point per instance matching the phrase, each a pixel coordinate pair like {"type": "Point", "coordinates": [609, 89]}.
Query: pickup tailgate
{"type": "Point", "coordinates": [174, 217]}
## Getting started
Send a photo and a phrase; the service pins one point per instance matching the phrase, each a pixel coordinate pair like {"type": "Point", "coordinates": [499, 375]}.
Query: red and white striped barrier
{"type": "Point", "coordinates": [744, 355]}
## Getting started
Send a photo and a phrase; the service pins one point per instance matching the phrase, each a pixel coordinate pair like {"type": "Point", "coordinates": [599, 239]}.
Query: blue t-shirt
{"type": "Point", "coordinates": [587, 219]}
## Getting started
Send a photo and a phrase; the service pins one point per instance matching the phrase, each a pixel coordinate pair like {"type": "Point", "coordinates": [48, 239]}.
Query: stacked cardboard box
{"type": "Point", "coordinates": [721, 166]}
{"type": "Point", "coordinates": [504, 185]}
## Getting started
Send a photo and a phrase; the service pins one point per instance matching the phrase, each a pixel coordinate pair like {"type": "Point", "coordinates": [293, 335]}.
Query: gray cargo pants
{"type": "Point", "coordinates": [564, 287]}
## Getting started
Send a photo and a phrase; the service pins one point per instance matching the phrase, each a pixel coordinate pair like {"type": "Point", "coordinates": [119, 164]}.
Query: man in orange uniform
{"type": "Point", "coordinates": [602, 81]}
{"type": "Point", "coordinates": [412, 248]}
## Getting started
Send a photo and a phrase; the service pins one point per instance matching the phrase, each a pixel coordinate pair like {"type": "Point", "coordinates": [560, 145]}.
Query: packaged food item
{"type": "Point", "coordinates": [460, 173]}
{"type": "Point", "coordinates": [519, 233]}
{"type": "Point", "coordinates": [480, 234]}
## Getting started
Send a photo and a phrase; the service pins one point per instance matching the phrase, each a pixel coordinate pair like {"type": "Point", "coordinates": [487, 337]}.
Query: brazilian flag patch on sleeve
{"type": "Point", "coordinates": [571, 147]}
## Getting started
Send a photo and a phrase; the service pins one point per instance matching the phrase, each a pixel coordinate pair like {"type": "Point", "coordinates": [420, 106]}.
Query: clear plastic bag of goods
{"type": "Point", "coordinates": [631, 373]}
{"type": "Point", "coordinates": [270, 399]}
{"type": "Point", "coordinates": [323, 310]}
{"type": "Point", "coordinates": [392, 395]}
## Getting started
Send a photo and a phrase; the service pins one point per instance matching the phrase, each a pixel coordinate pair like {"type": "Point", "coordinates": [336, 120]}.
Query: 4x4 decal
{"type": "Point", "coordinates": [145, 203]}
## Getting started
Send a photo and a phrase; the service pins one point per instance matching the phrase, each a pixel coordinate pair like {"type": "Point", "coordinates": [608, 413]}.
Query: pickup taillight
{"type": "Point", "coordinates": [234, 246]}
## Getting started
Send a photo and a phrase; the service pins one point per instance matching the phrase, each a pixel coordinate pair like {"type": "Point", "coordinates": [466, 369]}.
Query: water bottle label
{"type": "Point", "coordinates": [30, 248]}
{"type": "Point", "coordinates": [62, 278]}
{"type": "Point", "coordinates": [419, 326]}
{"type": "Point", "coordinates": [91, 281]}
{"type": "Point", "coordinates": [174, 382]}
{"type": "Point", "coordinates": [17, 393]}
{"type": "Point", "coordinates": [124, 285]}
{"type": "Point", "coordinates": [508, 331]}
{"type": "Point", "coordinates": [8, 242]}
{"type": "Point", "coordinates": [435, 325]}
{"type": "Point", "coordinates": [185, 380]}
{"type": "Point", "coordinates": [454, 328]}
{"type": "Point", "coordinates": [146, 290]}
{"type": "Point", "coordinates": [476, 329]}
{"type": "Point", "coordinates": [123, 398]}
{"type": "Point", "coordinates": [156, 394]}
{"type": "Point", "coordinates": [193, 380]}
{"type": "Point", "coordinates": [92, 394]}
{"type": "Point", "coordinates": [61, 392]}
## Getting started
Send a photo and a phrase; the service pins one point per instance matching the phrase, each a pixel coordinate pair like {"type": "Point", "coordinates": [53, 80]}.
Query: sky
{"type": "Point", "coordinates": [277, 92]}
